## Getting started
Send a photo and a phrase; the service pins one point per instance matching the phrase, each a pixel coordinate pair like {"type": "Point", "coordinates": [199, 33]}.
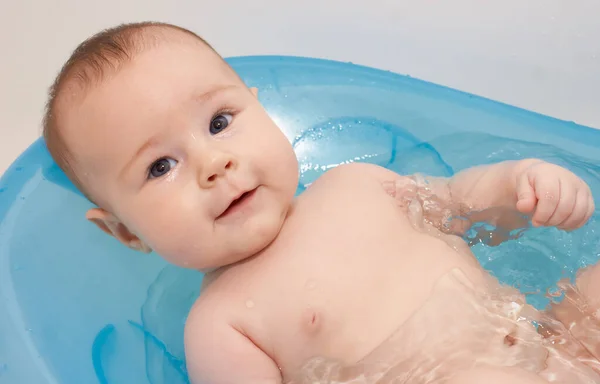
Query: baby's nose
{"type": "Point", "coordinates": [216, 166]}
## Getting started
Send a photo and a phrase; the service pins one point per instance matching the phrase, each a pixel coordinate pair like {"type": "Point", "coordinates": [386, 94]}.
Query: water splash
{"type": "Point", "coordinates": [538, 258]}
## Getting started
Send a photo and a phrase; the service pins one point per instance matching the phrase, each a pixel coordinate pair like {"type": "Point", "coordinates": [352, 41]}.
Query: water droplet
{"type": "Point", "coordinates": [249, 304]}
{"type": "Point", "coordinates": [19, 169]}
{"type": "Point", "coordinates": [2, 190]}
{"type": "Point", "coordinates": [22, 197]}
{"type": "Point", "coordinates": [311, 284]}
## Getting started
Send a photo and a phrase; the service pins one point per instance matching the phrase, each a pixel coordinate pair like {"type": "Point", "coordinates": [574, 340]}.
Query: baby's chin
{"type": "Point", "coordinates": [211, 261]}
{"type": "Point", "coordinates": [224, 261]}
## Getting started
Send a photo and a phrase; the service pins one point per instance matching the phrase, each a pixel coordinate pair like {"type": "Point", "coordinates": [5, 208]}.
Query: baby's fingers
{"type": "Point", "coordinates": [526, 199]}
{"type": "Point", "coordinates": [591, 209]}
{"type": "Point", "coordinates": [566, 204]}
{"type": "Point", "coordinates": [547, 191]}
{"type": "Point", "coordinates": [579, 212]}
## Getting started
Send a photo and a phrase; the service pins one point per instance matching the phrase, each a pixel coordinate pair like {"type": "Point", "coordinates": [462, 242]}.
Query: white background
{"type": "Point", "coordinates": [542, 55]}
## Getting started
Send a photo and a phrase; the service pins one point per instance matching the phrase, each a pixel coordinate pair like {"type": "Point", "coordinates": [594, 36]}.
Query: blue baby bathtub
{"type": "Point", "coordinates": [76, 307]}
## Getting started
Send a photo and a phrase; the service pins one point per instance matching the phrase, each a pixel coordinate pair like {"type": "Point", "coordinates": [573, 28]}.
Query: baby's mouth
{"type": "Point", "coordinates": [238, 203]}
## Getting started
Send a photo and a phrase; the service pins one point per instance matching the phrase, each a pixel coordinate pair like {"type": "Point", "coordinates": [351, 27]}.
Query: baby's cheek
{"type": "Point", "coordinates": [171, 236]}
{"type": "Point", "coordinates": [175, 247]}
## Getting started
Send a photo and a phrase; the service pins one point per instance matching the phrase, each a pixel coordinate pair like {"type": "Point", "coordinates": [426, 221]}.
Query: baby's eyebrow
{"type": "Point", "coordinates": [147, 145]}
{"type": "Point", "coordinates": [212, 93]}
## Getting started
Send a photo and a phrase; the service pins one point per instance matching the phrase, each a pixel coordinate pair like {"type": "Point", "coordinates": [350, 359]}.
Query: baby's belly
{"type": "Point", "coordinates": [348, 309]}
{"type": "Point", "coordinates": [456, 327]}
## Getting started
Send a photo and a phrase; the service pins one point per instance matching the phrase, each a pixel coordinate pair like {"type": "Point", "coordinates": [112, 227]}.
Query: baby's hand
{"type": "Point", "coordinates": [553, 196]}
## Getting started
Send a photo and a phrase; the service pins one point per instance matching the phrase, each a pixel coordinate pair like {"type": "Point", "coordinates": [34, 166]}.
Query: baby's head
{"type": "Point", "coordinates": [159, 132]}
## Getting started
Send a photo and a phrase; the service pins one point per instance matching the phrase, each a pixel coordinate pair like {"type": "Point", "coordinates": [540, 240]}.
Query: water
{"type": "Point", "coordinates": [77, 307]}
{"type": "Point", "coordinates": [536, 260]}
{"type": "Point", "coordinates": [533, 262]}
{"type": "Point", "coordinates": [483, 331]}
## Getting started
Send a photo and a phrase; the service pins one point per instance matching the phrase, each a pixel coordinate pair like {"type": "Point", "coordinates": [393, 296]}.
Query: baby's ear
{"type": "Point", "coordinates": [254, 91]}
{"type": "Point", "coordinates": [110, 224]}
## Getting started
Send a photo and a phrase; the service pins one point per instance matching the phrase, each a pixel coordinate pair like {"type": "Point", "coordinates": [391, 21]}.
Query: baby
{"type": "Point", "coordinates": [362, 277]}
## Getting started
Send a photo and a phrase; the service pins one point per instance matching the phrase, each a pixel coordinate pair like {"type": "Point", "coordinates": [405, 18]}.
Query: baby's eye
{"type": "Point", "coordinates": [161, 167]}
{"type": "Point", "coordinates": [219, 123]}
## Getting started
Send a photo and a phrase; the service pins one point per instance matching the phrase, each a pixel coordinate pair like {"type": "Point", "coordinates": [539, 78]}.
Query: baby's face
{"type": "Point", "coordinates": [168, 144]}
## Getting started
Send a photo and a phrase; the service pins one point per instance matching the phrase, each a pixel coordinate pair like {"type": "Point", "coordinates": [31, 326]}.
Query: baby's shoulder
{"type": "Point", "coordinates": [216, 293]}
{"type": "Point", "coordinates": [211, 300]}
{"type": "Point", "coordinates": [354, 178]}
{"type": "Point", "coordinates": [215, 334]}
{"type": "Point", "coordinates": [354, 181]}
{"type": "Point", "coordinates": [357, 173]}
{"type": "Point", "coordinates": [212, 309]}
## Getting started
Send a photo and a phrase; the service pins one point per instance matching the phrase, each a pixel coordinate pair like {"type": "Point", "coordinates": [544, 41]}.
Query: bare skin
{"type": "Point", "coordinates": [335, 273]}
{"type": "Point", "coordinates": [342, 299]}
{"type": "Point", "coordinates": [348, 300]}
{"type": "Point", "coordinates": [495, 376]}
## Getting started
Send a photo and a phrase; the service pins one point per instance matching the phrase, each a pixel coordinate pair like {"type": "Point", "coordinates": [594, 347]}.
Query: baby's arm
{"type": "Point", "coordinates": [217, 353]}
{"type": "Point", "coordinates": [548, 194]}
{"type": "Point", "coordinates": [502, 194]}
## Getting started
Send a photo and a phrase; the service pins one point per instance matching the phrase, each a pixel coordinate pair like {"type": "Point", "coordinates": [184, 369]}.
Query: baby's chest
{"type": "Point", "coordinates": [347, 270]}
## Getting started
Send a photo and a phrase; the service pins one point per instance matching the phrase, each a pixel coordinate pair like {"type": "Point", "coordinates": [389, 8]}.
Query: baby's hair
{"type": "Point", "coordinates": [95, 58]}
